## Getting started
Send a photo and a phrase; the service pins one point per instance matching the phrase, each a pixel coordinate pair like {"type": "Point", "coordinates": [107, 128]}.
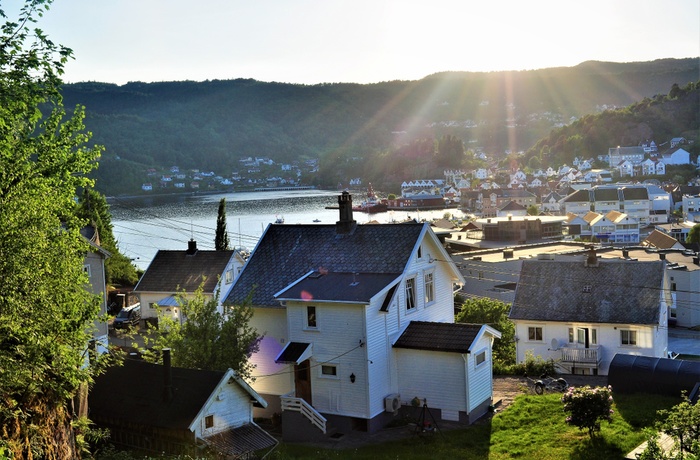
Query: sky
{"type": "Point", "coordinates": [357, 41]}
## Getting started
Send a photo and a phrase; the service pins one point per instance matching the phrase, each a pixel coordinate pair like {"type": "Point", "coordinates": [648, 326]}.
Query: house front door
{"type": "Point", "coordinates": [302, 381]}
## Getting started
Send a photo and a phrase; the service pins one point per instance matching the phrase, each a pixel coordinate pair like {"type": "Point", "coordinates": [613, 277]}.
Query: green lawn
{"type": "Point", "coordinates": [532, 427]}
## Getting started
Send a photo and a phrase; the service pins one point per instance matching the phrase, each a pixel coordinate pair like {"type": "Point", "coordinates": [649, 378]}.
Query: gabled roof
{"type": "Point", "coordinates": [605, 194]}
{"type": "Point", "coordinates": [660, 240]}
{"type": "Point", "coordinates": [172, 271]}
{"type": "Point", "coordinates": [513, 206]}
{"type": "Point", "coordinates": [579, 196]}
{"type": "Point", "coordinates": [634, 193]}
{"type": "Point", "coordinates": [447, 337]}
{"type": "Point", "coordinates": [613, 291]}
{"type": "Point", "coordinates": [134, 393]}
{"type": "Point", "coordinates": [285, 253]}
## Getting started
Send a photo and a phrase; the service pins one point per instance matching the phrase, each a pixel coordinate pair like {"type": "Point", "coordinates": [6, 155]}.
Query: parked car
{"type": "Point", "coordinates": [128, 316]}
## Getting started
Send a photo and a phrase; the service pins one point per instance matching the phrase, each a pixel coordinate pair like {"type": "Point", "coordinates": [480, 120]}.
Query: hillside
{"type": "Point", "coordinates": [210, 125]}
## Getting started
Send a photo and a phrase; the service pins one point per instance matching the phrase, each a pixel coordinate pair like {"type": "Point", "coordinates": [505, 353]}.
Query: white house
{"type": "Point", "coordinates": [677, 156]}
{"type": "Point", "coordinates": [625, 168]}
{"type": "Point", "coordinates": [174, 272]}
{"type": "Point", "coordinates": [160, 408]}
{"type": "Point", "coordinates": [583, 310]}
{"type": "Point", "coordinates": [343, 307]}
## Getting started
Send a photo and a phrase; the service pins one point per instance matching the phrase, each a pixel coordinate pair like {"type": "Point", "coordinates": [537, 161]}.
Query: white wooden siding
{"type": "Point", "coordinates": [335, 341]}
{"type": "Point", "coordinates": [479, 378]}
{"type": "Point", "coordinates": [231, 408]}
{"type": "Point", "coordinates": [651, 341]}
{"type": "Point", "coordinates": [438, 378]}
{"type": "Point", "coordinates": [270, 377]}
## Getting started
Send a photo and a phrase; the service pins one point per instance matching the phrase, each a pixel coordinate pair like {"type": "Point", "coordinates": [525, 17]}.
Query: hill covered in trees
{"type": "Point", "coordinates": [211, 125]}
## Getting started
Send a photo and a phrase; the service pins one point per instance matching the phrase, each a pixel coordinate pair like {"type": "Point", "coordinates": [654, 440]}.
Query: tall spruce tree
{"type": "Point", "coordinates": [221, 242]}
{"type": "Point", "coordinates": [45, 310]}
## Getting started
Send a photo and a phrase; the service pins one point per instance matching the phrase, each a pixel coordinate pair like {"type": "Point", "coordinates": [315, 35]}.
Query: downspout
{"type": "Point", "coordinates": [465, 357]}
{"type": "Point", "coordinates": [366, 360]}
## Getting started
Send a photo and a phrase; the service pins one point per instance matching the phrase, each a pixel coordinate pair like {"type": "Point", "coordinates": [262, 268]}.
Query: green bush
{"type": "Point", "coordinates": [533, 365]}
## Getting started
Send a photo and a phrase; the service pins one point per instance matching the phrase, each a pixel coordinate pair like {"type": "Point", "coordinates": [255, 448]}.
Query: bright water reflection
{"type": "Point", "coordinates": [142, 226]}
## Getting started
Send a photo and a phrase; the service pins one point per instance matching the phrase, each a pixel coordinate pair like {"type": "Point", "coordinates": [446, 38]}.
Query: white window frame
{"type": "Point", "coordinates": [631, 339]}
{"type": "Point", "coordinates": [534, 329]}
{"type": "Point", "coordinates": [229, 276]}
{"type": "Point", "coordinates": [481, 354]}
{"type": "Point", "coordinates": [410, 292]}
{"type": "Point", "coordinates": [311, 314]}
{"type": "Point", "coordinates": [328, 366]}
{"type": "Point", "coordinates": [429, 287]}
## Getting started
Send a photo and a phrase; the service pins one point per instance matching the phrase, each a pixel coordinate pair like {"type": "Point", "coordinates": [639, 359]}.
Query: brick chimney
{"type": "Point", "coordinates": [591, 258]}
{"type": "Point", "coordinates": [346, 224]}
{"type": "Point", "coordinates": [191, 247]}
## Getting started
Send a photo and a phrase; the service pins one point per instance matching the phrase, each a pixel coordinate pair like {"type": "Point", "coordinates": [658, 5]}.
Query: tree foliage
{"type": "Point", "coordinates": [93, 208]}
{"type": "Point", "coordinates": [682, 422]}
{"type": "Point", "coordinates": [494, 313]}
{"type": "Point", "coordinates": [44, 309]}
{"type": "Point", "coordinates": [204, 337]}
{"type": "Point", "coordinates": [588, 406]}
{"type": "Point", "coordinates": [694, 235]}
{"type": "Point", "coordinates": [221, 242]}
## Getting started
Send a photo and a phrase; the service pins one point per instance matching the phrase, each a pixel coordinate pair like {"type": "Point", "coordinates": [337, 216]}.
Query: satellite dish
{"type": "Point", "coordinates": [555, 344]}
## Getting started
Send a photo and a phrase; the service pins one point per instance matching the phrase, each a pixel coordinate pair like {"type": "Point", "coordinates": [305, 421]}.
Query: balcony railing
{"type": "Point", "coordinates": [580, 355]}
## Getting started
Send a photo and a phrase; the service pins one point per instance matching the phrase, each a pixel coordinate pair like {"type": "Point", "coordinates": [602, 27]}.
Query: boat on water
{"type": "Point", "coordinates": [371, 204]}
{"type": "Point", "coordinates": [279, 220]}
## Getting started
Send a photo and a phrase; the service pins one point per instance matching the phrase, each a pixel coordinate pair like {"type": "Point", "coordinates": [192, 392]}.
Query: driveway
{"type": "Point", "coordinates": [684, 341]}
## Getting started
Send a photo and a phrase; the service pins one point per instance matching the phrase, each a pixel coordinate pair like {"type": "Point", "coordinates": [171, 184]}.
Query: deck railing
{"type": "Point", "coordinates": [580, 355]}
{"type": "Point", "coordinates": [292, 403]}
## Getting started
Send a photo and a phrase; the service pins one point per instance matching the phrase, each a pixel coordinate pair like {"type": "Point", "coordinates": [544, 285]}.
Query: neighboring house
{"type": "Point", "coordinates": [94, 268]}
{"type": "Point", "coordinates": [583, 310]}
{"type": "Point", "coordinates": [158, 408]}
{"type": "Point", "coordinates": [615, 227]}
{"type": "Point", "coordinates": [691, 208]}
{"type": "Point", "coordinates": [616, 155]}
{"type": "Point", "coordinates": [512, 208]}
{"type": "Point", "coordinates": [343, 307]}
{"type": "Point", "coordinates": [550, 203]}
{"type": "Point", "coordinates": [678, 231]}
{"type": "Point", "coordinates": [182, 272]}
{"type": "Point", "coordinates": [676, 156]}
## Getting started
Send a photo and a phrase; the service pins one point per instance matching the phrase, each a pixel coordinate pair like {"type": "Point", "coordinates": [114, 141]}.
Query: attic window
{"type": "Point", "coordinates": [587, 288]}
{"type": "Point", "coordinates": [209, 421]}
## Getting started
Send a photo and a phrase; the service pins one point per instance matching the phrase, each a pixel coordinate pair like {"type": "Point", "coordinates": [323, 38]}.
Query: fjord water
{"type": "Point", "coordinates": [144, 225]}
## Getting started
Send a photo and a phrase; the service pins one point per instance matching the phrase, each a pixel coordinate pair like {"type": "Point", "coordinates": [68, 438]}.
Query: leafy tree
{"type": "Point", "coordinates": [44, 311]}
{"type": "Point", "coordinates": [221, 242]}
{"type": "Point", "coordinates": [93, 208]}
{"type": "Point", "coordinates": [494, 313]}
{"type": "Point", "coordinates": [533, 210]}
{"type": "Point", "coordinates": [207, 338]}
{"type": "Point", "coordinates": [682, 422]}
{"type": "Point", "coordinates": [694, 235]}
{"type": "Point", "coordinates": [587, 407]}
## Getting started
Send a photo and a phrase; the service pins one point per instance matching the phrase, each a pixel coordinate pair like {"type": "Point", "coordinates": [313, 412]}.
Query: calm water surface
{"type": "Point", "coordinates": [144, 225]}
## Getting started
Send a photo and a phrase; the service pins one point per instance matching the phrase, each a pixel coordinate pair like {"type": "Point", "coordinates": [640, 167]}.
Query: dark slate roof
{"type": "Point", "coordinates": [339, 287]}
{"type": "Point", "coordinates": [512, 206]}
{"type": "Point", "coordinates": [134, 393]}
{"type": "Point", "coordinates": [578, 196]}
{"type": "Point", "coordinates": [173, 271]}
{"type": "Point", "coordinates": [447, 337]}
{"type": "Point", "coordinates": [285, 253]}
{"type": "Point", "coordinates": [635, 193]}
{"type": "Point", "coordinates": [605, 194]}
{"type": "Point", "coordinates": [619, 291]}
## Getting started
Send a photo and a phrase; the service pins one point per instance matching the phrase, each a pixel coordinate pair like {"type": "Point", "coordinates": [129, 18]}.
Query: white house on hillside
{"type": "Point", "coordinates": [345, 308]}
{"type": "Point", "coordinates": [583, 310]}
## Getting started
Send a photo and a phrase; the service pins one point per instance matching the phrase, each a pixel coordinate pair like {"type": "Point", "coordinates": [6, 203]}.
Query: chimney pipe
{"type": "Point", "coordinates": [167, 376]}
{"type": "Point", "coordinates": [625, 253]}
{"type": "Point", "coordinates": [191, 247]}
{"type": "Point", "coordinates": [662, 256]}
{"type": "Point", "coordinates": [592, 258]}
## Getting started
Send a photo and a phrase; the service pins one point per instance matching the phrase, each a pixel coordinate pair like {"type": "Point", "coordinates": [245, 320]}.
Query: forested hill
{"type": "Point", "coordinates": [211, 124]}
